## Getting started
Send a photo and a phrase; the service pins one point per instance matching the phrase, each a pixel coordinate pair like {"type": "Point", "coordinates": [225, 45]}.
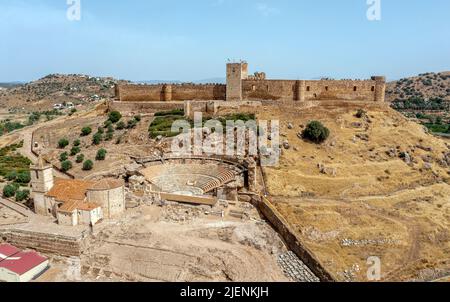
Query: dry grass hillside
{"type": "Point", "coordinates": [52, 89]}
{"type": "Point", "coordinates": [379, 186]}
{"type": "Point", "coordinates": [428, 85]}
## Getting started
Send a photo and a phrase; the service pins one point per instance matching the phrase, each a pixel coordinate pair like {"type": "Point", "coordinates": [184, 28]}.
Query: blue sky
{"type": "Point", "coordinates": [192, 39]}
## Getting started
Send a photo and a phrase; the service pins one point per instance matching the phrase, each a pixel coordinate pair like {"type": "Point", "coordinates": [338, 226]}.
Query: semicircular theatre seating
{"type": "Point", "coordinates": [196, 179]}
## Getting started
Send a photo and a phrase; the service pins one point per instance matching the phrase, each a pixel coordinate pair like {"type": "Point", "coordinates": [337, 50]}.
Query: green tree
{"type": "Point", "coordinates": [101, 154]}
{"type": "Point", "coordinates": [9, 191]}
{"type": "Point", "coordinates": [86, 131]}
{"type": "Point", "coordinates": [66, 165]}
{"type": "Point", "coordinates": [23, 177]}
{"type": "Point", "coordinates": [316, 132]}
{"type": "Point", "coordinates": [77, 143]}
{"type": "Point", "coordinates": [120, 125]}
{"type": "Point", "coordinates": [97, 139]}
{"type": "Point", "coordinates": [114, 116]}
{"type": "Point", "coordinates": [63, 156]}
{"type": "Point", "coordinates": [11, 176]}
{"type": "Point", "coordinates": [108, 123]}
{"type": "Point", "coordinates": [80, 158]}
{"type": "Point", "coordinates": [62, 143]}
{"type": "Point", "coordinates": [131, 124]}
{"type": "Point", "coordinates": [109, 136]}
{"type": "Point", "coordinates": [88, 165]}
{"type": "Point", "coordinates": [22, 195]}
{"type": "Point", "coordinates": [74, 151]}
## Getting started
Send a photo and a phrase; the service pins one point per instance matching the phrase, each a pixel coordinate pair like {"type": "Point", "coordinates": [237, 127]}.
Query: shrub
{"type": "Point", "coordinates": [114, 116]}
{"type": "Point", "coordinates": [100, 130]}
{"type": "Point", "coordinates": [11, 176]}
{"type": "Point", "coordinates": [179, 112]}
{"type": "Point", "coordinates": [88, 165]}
{"type": "Point", "coordinates": [22, 195]}
{"type": "Point", "coordinates": [63, 157]}
{"type": "Point", "coordinates": [9, 191]}
{"type": "Point", "coordinates": [80, 158]}
{"type": "Point", "coordinates": [108, 123]}
{"type": "Point", "coordinates": [361, 113]}
{"type": "Point", "coordinates": [120, 126]}
{"type": "Point", "coordinates": [131, 124]}
{"type": "Point", "coordinates": [316, 132]}
{"type": "Point", "coordinates": [62, 143]}
{"type": "Point", "coordinates": [72, 112]}
{"type": "Point", "coordinates": [110, 129]}
{"type": "Point", "coordinates": [97, 139]}
{"type": "Point", "coordinates": [77, 143]}
{"type": "Point", "coordinates": [74, 151]}
{"type": "Point", "coordinates": [23, 177]}
{"type": "Point", "coordinates": [138, 118]}
{"type": "Point", "coordinates": [86, 131]}
{"type": "Point", "coordinates": [109, 136]}
{"type": "Point", "coordinates": [101, 154]}
{"type": "Point", "coordinates": [66, 165]}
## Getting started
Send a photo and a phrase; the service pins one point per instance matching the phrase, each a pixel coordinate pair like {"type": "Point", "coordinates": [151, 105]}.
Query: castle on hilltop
{"type": "Point", "coordinates": [241, 86]}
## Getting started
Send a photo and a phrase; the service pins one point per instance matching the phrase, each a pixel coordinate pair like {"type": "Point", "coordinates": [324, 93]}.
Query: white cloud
{"type": "Point", "coordinates": [266, 10]}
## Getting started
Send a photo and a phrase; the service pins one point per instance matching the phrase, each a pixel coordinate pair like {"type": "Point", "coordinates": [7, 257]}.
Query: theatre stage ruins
{"type": "Point", "coordinates": [147, 214]}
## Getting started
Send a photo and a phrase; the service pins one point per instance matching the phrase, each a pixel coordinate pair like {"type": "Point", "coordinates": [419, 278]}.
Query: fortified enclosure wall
{"type": "Point", "coordinates": [168, 92]}
{"type": "Point", "coordinates": [243, 87]}
{"type": "Point", "coordinates": [361, 90]}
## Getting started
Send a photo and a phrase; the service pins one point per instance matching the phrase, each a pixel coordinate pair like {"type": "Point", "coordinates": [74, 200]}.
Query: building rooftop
{"type": "Point", "coordinates": [22, 262]}
{"type": "Point", "coordinates": [66, 190]}
{"type": "Point", "coordinates": [72, 205]}
{"type": "Point", "coordinates": [7, 250]}
{"type": "Point", "coordinates": [107, 184]}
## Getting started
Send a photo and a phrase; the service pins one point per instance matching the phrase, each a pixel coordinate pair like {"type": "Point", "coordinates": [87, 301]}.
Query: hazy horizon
{"type": "Point", "coordinates": [189, 41]}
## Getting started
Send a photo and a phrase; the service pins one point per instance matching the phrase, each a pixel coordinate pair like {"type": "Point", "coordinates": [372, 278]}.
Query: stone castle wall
{"type": "Point", "coordinates": [167, 93]}
{"type": "Point", "coordinates": [44, 243]}
{"type": "Point", "coordinates": [242, 87]}
{"type": "Point", "coordinates": [362, 90]}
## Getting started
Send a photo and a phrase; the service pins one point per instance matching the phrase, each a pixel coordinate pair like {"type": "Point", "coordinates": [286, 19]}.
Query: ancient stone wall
{"type": "Point", "coordinates": [293, 242]}
{"type": "Point", "coordinates": [240, 86]}
{"type": "Point", "coordinates": [145, 107]}
{"type": "Point", "coordinates": [219, 108]}
{"type": "Point", "coordinates": [168, 92]}
{"type": "Point", "coordinates": [364, 90]}
{"type": "Point", "coordinates": [44, 243]}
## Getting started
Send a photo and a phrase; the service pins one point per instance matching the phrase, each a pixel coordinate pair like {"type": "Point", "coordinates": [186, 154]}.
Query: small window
{"type": "Point", "coordinates": [355, 88]}
{"type": "Point", "coordinates": [267, 88]}
{"type": "Point", "coordinates": [326, 88]}
{"type": "Point", "coordinates": [373, 88]}
{"type": "Point", "coordinates": [308, 88]}
{"type": "Point", "coordinates": [37, 174]}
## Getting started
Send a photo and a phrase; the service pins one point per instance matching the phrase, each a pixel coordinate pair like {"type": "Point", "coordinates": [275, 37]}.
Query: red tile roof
{"type": "Point", "coordinates": [22, 262]}
{"type": "Point", "coordinates": [7, 250]}
{"type": "Point", "coordinates": [107, 184]}
{"type": "Point", "coordinates": [69, 189]}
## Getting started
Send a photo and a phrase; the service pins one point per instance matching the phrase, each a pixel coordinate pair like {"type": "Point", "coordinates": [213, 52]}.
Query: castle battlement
{"type": "Point", "coordinates": [241, 86]}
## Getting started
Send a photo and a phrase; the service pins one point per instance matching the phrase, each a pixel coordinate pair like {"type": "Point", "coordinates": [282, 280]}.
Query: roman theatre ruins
{"type": "Point", "coordinates": [195, 180]}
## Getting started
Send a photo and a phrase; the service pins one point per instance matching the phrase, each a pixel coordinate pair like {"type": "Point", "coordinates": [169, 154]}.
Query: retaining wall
{"type": "Point", "coordinates": [44, 243]}
{"type": "Point", "coordinates": [293, 242]}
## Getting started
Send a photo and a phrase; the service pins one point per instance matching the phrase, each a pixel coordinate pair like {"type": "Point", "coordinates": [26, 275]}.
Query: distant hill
{"type": "Point", "coordinates": [10, 85]}
{"type": "Point", "coordinates": [425, 86]}
{"type": "Point", "coordinates": [57, 88]}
